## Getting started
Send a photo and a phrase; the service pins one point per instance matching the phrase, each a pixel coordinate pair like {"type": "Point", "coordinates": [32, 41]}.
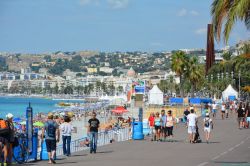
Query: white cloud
{"type": "Point", "coordinates": [118, 4]}
{"type": "Point", "coordinates": [194, 13]}
{"type": "Point", "coordinates": [182, 12]}
{"type": "Point", "coordinates": [201, 31]}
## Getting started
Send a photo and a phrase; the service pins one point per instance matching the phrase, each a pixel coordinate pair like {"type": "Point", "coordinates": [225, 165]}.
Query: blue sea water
{"type": "Point", "coordinates": [17, 106]}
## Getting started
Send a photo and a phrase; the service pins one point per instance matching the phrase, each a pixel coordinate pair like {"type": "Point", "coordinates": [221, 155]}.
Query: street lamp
{"type": "Point", "coordinates": [239, 83]}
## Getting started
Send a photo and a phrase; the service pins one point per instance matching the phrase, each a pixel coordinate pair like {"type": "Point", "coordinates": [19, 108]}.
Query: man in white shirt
{"type": "Point", "coordinates": [192, 123]}
{"type": "Point", "coordinates": [214, 109]}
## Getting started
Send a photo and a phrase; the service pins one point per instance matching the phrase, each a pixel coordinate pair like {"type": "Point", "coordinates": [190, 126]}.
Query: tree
{"type": "Point", "coordinates": [228, 12]}
{"type": "Point", "coordinates": [68, 90]}
{"type": "Point", "coordinates": [178, 65]}
{"type": "Point", "coordinates": [194, 73]}
{"type": "Point", "coordinates": [120, 89]}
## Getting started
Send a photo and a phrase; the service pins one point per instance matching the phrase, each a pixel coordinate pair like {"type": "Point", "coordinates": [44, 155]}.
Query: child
{"type": "Point", "coordinates": [208, 125]}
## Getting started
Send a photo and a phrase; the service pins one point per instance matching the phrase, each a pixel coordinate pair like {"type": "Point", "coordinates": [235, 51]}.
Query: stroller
{"type": "Point", "coordinates": [197, 138]}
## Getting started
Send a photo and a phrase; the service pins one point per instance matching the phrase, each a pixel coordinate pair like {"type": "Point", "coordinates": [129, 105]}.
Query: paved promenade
{"type": "Point", "coordinates": [229, 147]}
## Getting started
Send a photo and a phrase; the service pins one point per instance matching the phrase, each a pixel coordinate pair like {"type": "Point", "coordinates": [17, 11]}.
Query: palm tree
{"type": "Point", "coordinates": [178, 65]}
{"type": "Point", "coordinates": [228, 12]}
{"type": "Point", "coordinates": [194, 73]}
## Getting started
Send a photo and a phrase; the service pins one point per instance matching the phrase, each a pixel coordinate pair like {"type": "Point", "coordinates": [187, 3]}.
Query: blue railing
{"type": "Point", "coordinates": [104, 138]}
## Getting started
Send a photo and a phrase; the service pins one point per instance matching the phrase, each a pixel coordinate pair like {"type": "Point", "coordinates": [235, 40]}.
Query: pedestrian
{"type": "Point", "coordinates": [241, 115]}
{"type": "Point", "coordinates": [157, 124]}
{"type": "Point", "coordinates": [192, 124]}
{"type": "Point", "coordinates": [163, 125]}
{"type": "Point", "coordinates": [208, 125]}
{"type": "Point", "coordinates": [185, 114]}
{"type": "Point", "coordinates": [66, 130]}
{"type": "Point", "coordinates": [151, 126]}
{"type": "Point", "coordinates": [52, 136]}
{"type": "Point", "coordinates": [227, 108]}
{"type": "Point", "coordinates": [223, 110]}
{"type": "Point", "coordinates": [11, 136]}
{"type": "Point", "coordinates": [170, 124]}
{"type": "Point", "coordinates": [94, 124]}
{"type": "Point", "coordinates": [4, 136]}
{"type": "Point", "coordinates": [247, 109]}
{"type": "Point", "coordinates": [214, 109]}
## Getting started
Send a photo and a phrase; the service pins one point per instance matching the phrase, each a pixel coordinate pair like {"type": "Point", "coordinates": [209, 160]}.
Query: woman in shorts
{"type": "Point", "coordinates": [208, 125]}
{"type": "Point", "coordinates": [157, 124]}
{"type": "Point", "coordinates": [223, 110]}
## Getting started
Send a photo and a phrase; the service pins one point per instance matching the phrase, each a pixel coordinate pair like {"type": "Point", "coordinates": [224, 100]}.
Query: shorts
{"type": "Point", "coordinates": [214, 111]}
{"type": "Point", "coordinates": [3, 140]}
{"type": "Point", "coordinates": [248, 119]}
{"type": "Point", "coordinates": [191, 129]}
{"type": "Point", "coordinates": [223, 111]}
{"type": "Point", "coordinates": [50, 145]}
{"type": "Point", "coordinates": [240, 119]}
{"type": "Point", "coordinates": [157, 128]}
{"type": "Point", "coordinates": [227, 110]}
{"type": "Point", "coordinates": [163, 129]}
{"type": "Point", "coordinates": [207, 129]}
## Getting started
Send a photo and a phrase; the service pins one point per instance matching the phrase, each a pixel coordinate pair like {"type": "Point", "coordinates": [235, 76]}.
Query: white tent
{"type": "Point", "coordinates": [155, 96]}
{"type": "Point", "coordinates": [229, 91]}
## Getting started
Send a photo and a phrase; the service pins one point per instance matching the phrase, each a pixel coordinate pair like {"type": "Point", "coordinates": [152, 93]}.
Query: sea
{"type": "Point", "coordinates": [18, 105]}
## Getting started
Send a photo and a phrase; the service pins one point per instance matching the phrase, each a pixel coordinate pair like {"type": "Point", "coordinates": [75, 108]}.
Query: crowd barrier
{"type": "Point", "coordinates": [104, 138]}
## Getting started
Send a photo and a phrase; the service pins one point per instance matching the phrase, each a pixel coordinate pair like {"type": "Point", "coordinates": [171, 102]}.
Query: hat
{"type": "Point", "coordinates": [50, 115]}
{"type": "Point", "coordinates": [9, 116]}
{"type": "Point", "coordinates": [207, 114]}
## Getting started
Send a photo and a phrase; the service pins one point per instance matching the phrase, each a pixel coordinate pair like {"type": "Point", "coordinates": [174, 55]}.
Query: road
{"type": "Point", "coordinates": [229, 147]}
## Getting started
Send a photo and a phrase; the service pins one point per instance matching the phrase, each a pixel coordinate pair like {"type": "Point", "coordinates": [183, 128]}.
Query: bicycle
{"type": "Point", "coordinates": [21, 153]}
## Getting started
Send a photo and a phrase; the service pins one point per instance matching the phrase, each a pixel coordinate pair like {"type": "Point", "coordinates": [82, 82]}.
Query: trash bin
{"type": "Point", "coordinates": [137, 131]}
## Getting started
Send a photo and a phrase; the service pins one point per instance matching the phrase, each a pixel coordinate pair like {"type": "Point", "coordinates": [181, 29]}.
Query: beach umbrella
{"type": "Point", "coordinates": [38, 124]}
{"type": "Point", "coordinates": [119, 110]}
{"type": "Point", "coordinates": [17, 120]}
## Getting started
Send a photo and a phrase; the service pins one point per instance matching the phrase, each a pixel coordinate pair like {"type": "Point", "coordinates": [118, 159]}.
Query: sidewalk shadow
{"type": "Point", "coordinates": [104, 152]}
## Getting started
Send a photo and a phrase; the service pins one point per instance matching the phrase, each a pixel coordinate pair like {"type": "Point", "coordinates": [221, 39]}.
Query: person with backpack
{"type": "Point", "coordinates": [52, 136]}
{"type": "Point", "coordinates": [208, 125]}
{"type": "Point", "coordinates": [11, 136]}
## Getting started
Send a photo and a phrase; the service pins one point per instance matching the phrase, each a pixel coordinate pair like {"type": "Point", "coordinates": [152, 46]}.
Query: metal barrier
{"type": "Point", "coordinates": [104, 138]}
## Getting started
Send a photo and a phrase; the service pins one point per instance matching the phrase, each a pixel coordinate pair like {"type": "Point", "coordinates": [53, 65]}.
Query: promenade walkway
{"type": "Point", "coordinates": [229, 147]}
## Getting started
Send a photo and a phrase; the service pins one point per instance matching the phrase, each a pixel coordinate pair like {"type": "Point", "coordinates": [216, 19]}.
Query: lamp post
{"type": "Point", "coordinates": [239, 83]}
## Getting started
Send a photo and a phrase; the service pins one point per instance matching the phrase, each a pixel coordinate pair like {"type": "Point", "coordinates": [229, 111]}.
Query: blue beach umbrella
{"type": "Point", "coordinates": [17, 120]}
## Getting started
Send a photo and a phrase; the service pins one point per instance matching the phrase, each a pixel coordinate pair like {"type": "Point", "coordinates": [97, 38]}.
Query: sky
{"type": "Point", "coordinates": [41, 26]}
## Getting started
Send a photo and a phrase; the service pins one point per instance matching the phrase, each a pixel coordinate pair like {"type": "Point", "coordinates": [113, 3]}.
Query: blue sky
{"type": "Point", "coordinates": [37, 26]}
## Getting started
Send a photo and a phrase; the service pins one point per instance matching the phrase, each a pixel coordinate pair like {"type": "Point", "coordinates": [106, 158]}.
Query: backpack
{"type": "Point", "coordinates": [4, 129]}
{"type": "Point", "coordinates": [207, 122]}
{"type": "Point", "coordinates": [51, 129]}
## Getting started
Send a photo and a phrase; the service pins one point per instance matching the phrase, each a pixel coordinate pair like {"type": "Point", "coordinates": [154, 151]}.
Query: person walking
{"type": "Point", "coordinates": [214, 109]}
{"type": "Point", "coordinates": [163, 125]}
{"type": "Point", "coordinates": [4, 135]}
{"type": "Point", "coordinates": [94, 124]}
{"type": "Point", "coordinates": [241, 115]}
{"type": "Point", "coordinates": [208, 126]}
{"type": "Point", "coordinates": [52, 136]}
{"type": "Point", "coordinates": [151, 120]}
{"type": "Point", "coordinates": [247, 109]}
{"type": "Point", "coordinates": [227, 108]}
{"type": "Point", "coordinates": [185, 114]}
{"type": "Point", "coordinates": [66, 130]}
{"type": "Point", "coordinates": [223, 110]}
{"type": "Point", "coordinates": [157, 124]}
{"type": "Point", "coordinates": [170, 124]}
{"type": "Point", "coordinates": [192, 124]}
